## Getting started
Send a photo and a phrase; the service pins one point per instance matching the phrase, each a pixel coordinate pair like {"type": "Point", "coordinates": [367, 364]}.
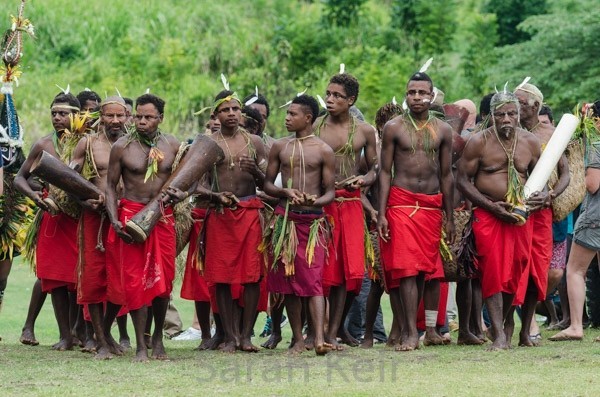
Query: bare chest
{"type": "Point", "coordinates": [342, 138]}
{"type": "Point", "coordinates": [297, 154]}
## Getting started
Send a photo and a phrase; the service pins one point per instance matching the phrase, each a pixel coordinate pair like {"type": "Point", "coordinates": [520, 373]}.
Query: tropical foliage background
{"type": "Point", "coordinates": [178, 49]}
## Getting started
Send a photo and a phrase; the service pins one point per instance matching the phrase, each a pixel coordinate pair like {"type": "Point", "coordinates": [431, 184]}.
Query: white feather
{"type": "Point", "coordinates": [506, 87]}
{"type": "Point", "coordinates": [118, 92]}
{"type": "Point", "coordinates": [404, 105]}
{"type": "Point", "coordinates": [87, 89]}
{"type": "Point", "coordinates": [254, 98]}
{"type": "Point", "coordinates": [285, 104]}
{"type": "Point", "coordinates": [251, 101]}
{"type": "Point", "coordinates": [394, 101]}
{"type": "Point", "coordinates": [342, 68]}
{"type": "Point", "coordinates": [302, 93]}
{"type": "Point", "coordinates": [525, 81]}
{"type": "Point", "coordinates": [225, 82]}
{"type": "Point", "coordinates": [148, 90]}
{"type": "Point", "coordinates": [435, 94]}
{"type": "Point", "coordinates": [65, 91]}
{"type": "Point", "coordinates": [321, 101]}
{"type": "Point", "coordinates": [426, 65]}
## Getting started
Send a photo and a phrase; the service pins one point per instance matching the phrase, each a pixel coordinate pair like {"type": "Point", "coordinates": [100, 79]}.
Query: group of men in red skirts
{"type": "Point", "coordinates": [293, 219]}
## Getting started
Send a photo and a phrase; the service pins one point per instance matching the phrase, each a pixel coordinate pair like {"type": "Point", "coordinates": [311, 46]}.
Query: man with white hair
{"type": "Point", "coordinates": [534, 281]}
{"type": "Point", "coordinates": [494, 184]}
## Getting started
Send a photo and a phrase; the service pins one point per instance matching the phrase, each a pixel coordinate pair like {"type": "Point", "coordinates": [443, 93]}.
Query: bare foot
{"type": "Point", "coordinates": [247, 346]}
{"type": "Point", "coordinates": [63, 345]}
{"type": "Point", "coordinates": [89, 347]}
{"type": "Point", "coordinates": [499, 343]}
{"type": "Point", "coordinates": [394, 338]}
{"type": "Point", "coordinates": [323, 349]}
{"type": "Point", "coordinates": [528, 342]}
{"type": "Point", "coordinates": [125, 343]}
{"type": "Point", "coordinates": [408, 345]}
{"type": "Point", "coordinates": [432, 338]}
{"type": "Point", "coordinates": [227, 347]}
{"type": "Point", "coordinates": [212, 343]}
{"type": "Point", "coordinates": [334, 344]}
{"type": "Point", "coordinates": [447, 339]}
{"type": "Point", "coordinates": [28, 337]}
{"type": "Point", "coordinates": [567, 334]}
{"type": "Point", "coordinates": [367, 343]}
{"type": "Point", "coordinates": [77, 341]}
{"type": "Point", "coordinates": [297, 348]}
{"type": "Point", "coordinates": [553, 326]}
{"type": "Point", "coordinates": [158, 349]}
{"type": "Point", "coordinates": [103, 354]}
{"type": "Point", "coordinates": [114, 347]}
{"type": "Point", "coordinates": [272, 342]}
{"type": "Point", "coordinates": [309, 342]}
{"type": "Point", "coordinates": [346, 338]}
{"type": "Point", "coordinates": [468, 339]}
{"type": "Point", "coordinates": [563, 324]}
{"type": "Point", "coordinates": [203, 345]}
{"type": "Point", "coordinates": [141, 356]}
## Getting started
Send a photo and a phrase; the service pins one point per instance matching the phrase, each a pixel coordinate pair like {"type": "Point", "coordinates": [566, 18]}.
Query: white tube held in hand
{"type": "Point", "coordinates": [551, 155]}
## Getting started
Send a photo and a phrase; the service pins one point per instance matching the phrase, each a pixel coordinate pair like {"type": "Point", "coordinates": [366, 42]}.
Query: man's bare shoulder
{"type": "Point", "coordinates": [478, 139]}
{"type": "Point", "coordinates": [121, 143]}
{"type": "Point", "coordinates": [323, 147]}
{"type": "Point", "coordinates": [394, 125]}
{"type": "Point", "coordinates": [278, 144]}
{"type": "Point", "coordinates": [363, 126]}
{"type": "Point", "coordinates": [529, 137]}
{"type": "Point", "coordinates": [83, 143]}
{"type": "Point", "coordinates": [256, 141]}
{"type": "Point", "coordinates": [173, 142]}
{"type": "Point", "coordinates": [318, 121]}
{"type": "Point", "coordinates": [43, 143]}
{"type": "Point", "coordinates": [444, 127]}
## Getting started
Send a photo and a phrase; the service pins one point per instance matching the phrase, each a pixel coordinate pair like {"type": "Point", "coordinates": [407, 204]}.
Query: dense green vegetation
{"type": "Point", "coordinates": [179, 51]}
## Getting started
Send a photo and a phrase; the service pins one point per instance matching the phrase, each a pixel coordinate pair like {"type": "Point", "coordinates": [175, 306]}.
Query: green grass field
{"type": "Point", "coordinates": [567, 369]}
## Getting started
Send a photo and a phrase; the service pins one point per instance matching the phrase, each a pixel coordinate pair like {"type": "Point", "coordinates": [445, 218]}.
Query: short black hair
{"type": "Point", "coordinates": [349, 82]}
{"type": "Point", "coordinates": [88, 95]}
{"type": "Point", "coordinates": [128, 101]}
{"type": "Point", "coordinates": [484, 106]}
{"type": "Point", "coordinates": [223, 94]}
{"type": "Point", "coordinates": [545, 109]}
{"type": "Point", "coordinates": [251, 113]}
{"type": "Point", "coordinates": [261, 101]}
{"type": "Point", "coordinates": [309, 104]}
{"type": "Point", "coordinates": [251, 120]}
{"type": "Point", "coordinates": [421, 76]}
{"type": "Point", "coordinates": [69, 98]}
{"type": "Point", "coordinates": [153, 99]}
{"type": "Point", "coordinates": [596, 108]}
